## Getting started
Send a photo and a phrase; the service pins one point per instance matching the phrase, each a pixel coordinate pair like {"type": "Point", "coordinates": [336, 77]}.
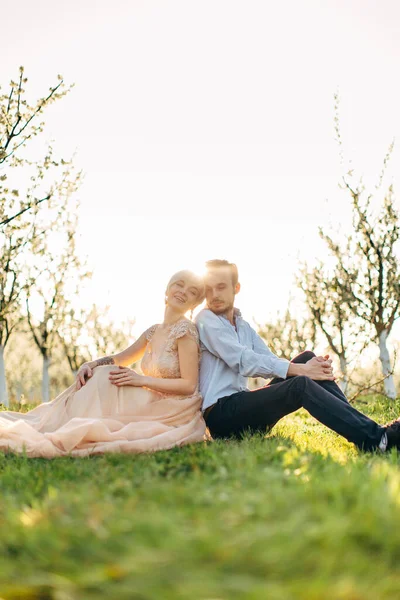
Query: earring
{"type": "Point", "coordinates": [191, 315]}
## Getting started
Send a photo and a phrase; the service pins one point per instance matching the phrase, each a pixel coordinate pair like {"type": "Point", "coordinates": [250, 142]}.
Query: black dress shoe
{"type": "Point", "coordinates": [393, 434]}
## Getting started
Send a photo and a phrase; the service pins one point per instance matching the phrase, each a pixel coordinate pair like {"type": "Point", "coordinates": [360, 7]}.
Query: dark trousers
{"type": "Point", "coordinates": [261, 409]}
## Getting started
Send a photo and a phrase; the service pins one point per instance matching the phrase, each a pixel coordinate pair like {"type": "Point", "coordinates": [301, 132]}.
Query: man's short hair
{"type": "Point", "coordinates": [217, 263]}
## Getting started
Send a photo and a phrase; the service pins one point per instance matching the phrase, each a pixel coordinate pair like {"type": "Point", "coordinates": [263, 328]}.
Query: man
{"type": "Point", "coordinates": [233, 351]}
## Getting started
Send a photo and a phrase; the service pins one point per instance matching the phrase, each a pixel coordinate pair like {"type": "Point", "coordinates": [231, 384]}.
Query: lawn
{"type": "Point", "coordinates": [298, 514]}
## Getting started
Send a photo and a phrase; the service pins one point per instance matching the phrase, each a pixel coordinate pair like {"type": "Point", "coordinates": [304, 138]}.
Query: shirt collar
{"type": "Point", "coordinates": [236, 313]}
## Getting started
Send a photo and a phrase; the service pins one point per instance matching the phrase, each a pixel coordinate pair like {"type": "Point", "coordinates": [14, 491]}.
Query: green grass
{"type": "Point", "coordinates": [298, 514]}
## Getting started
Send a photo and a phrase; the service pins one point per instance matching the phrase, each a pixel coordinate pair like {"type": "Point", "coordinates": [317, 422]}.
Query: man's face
{"type": "Point", "coordinates": [220, 291]}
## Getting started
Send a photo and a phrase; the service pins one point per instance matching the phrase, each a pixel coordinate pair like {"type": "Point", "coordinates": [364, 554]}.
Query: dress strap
{"type": "Point", "coordinates": [184, 327]}
{"type": "Point", "coordinates": [150, 332]}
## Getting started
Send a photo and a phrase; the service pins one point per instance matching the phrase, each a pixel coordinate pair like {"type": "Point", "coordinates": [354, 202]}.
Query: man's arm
{"type": "Point", "coordinates": [316, 368]}
{"type": "Point", "coordinates": [222, 341]}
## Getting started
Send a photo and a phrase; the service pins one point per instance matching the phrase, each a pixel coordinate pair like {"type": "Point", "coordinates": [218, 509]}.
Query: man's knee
{"type": "Point", "coordinates": [302, 381]}
{"type": "Point", "coordinates": [303, 357]}
{"type": "Point", "coordinates": [295, 390]}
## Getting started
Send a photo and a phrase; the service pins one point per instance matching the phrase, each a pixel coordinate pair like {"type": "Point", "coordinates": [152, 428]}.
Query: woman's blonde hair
{"type": "Point", "coordinates": [197, 280]}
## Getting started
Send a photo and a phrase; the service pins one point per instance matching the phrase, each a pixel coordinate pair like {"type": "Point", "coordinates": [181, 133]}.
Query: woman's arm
{"type": "Point", "coordinates": [131, 354]}
{"type": "Point", "coordinates": [189, 367]}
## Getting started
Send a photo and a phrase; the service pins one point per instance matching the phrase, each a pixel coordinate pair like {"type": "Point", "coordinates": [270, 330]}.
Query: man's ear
{"type": "Point", "coordinates": [237, 288]}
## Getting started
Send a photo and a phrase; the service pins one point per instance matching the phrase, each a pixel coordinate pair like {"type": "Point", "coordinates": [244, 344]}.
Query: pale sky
{"type": "Point", "coordinates": [205, 130]}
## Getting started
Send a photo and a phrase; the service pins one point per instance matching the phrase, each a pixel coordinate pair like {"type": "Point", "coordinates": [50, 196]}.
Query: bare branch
{"type": "Point", "coordinates": [372, 385]}
{"type": "Point", "coordinates": [24, 210]}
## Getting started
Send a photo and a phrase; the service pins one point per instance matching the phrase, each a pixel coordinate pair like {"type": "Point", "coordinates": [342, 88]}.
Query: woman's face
{"type": "Point", "coordinates": [183, 295]}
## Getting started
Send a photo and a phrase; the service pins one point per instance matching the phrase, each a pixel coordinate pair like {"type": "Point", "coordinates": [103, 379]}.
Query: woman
{"type": "Point", "coordinates": [111, 408]}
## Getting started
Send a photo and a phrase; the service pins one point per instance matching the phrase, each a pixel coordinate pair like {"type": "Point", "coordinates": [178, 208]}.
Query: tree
{"type": "Point", "coordinates": [24, 186]}
{"type": "Point", "coordinates": [105, 338]}
{"type": "Point", "coordinates": [371, 272]}
{"type": "Point", "coordinates": [55, 276]}
{"type": "Point", "coordinates": [74, 337]}
{"type": "Point", "coordinates": [327, 301]}
{"type": "Point", "coordinates": [10, 292]}
{"type": "Point", "coordinates": [19, 123]}
{"type": "Point", "coordinates": [23, 367]}
{"type": "Point", "coordinates": [287, 336]}
{"type": "Point", "coordinates": [14, 241]}
{"type": "Point", "coordinates": [87, 334]}
{"type": "Point", "coordinates": [367, 263]}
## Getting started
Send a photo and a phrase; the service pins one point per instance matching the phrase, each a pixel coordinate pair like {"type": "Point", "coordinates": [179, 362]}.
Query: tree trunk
{"type": "Point", "coordinates": [390, 389]}
{"type": "Point", "coordinates": [45, 380]}
{"type": "Point", "coordinates": [343, 367]}
{"type": "Point", "coordinates": [3, 382]}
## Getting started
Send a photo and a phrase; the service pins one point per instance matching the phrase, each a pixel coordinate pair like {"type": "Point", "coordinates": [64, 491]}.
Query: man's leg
{"type": "Point", "coordinates": [261, 409]}
{"type": "Point", "coordinates": [331, 386]}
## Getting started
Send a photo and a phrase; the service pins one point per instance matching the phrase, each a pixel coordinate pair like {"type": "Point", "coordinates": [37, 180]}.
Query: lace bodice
{"type": "Point", "coordinates": [164, 362]}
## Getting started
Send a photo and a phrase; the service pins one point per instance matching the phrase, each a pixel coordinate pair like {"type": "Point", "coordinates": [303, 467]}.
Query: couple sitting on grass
{"type": "Point", "coordinates": [111, 408]}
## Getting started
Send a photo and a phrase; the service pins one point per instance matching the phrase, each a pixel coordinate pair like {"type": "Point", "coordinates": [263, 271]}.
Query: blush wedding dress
{"type": "Point", "coordinates": [102, 417]}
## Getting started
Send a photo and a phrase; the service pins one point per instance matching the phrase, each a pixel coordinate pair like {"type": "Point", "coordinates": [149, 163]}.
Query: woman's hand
{"type": "Point", "coordinates": [126, 376]}
{"type": "Point", "coordinates": [85, 372]}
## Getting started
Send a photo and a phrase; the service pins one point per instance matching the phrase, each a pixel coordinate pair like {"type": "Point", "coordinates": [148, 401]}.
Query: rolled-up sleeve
{"type": "Point", "coordinates": [221, 340]}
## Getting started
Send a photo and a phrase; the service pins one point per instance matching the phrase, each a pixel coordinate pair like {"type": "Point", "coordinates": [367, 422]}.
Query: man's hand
{"type": "Point", "coordinates": [319, 368]}
{"type": "Point", "coordinates": [85, 372]}
{"type": "Point", "coordinates": [126, 376]}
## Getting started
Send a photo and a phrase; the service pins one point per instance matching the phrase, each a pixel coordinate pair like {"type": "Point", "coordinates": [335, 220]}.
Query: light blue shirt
{"type": "Point", "coordinates": [229, 356]}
